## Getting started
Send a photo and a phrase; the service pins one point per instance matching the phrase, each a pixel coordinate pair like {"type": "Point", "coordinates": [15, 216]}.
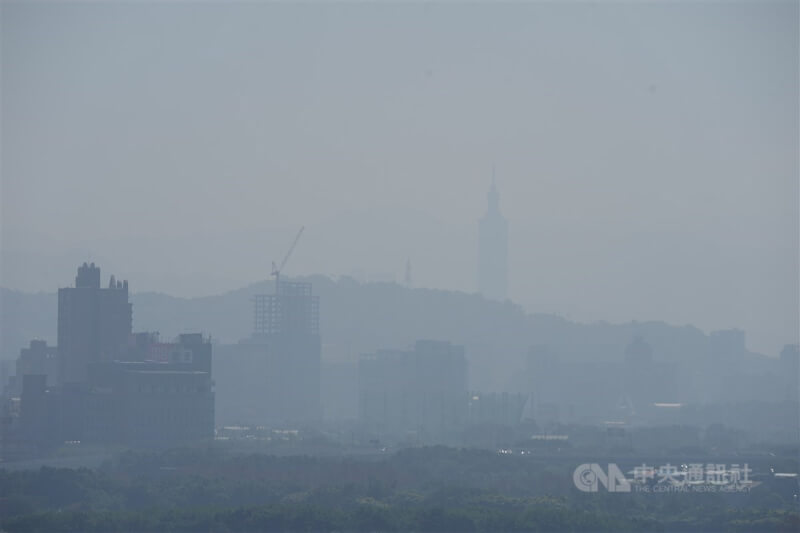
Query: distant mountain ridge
{"type": "Point", "coordinates": [358, 318]}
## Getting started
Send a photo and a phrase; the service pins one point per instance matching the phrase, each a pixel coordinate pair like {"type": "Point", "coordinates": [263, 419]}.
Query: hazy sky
{"type": "Point", "coordinates": [646, 154]}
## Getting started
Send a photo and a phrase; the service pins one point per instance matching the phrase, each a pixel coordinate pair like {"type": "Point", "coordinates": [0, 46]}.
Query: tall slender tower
{"type": "Point", "coordinates": [493, 249]}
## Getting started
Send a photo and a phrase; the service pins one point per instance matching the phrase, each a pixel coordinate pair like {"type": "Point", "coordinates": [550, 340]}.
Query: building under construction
{"type": "Point", "coordinates": [273, 377]}
{"type": "Point", "coordinates": [292, 310]}
{"type": "Point", "coordinates": [287, 322]}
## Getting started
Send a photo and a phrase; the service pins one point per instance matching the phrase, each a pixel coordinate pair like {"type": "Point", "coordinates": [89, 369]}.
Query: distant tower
{"type": "Point", "coordinates": [407, 278]}
{"type": "Point", "coordinates": [493, 249]}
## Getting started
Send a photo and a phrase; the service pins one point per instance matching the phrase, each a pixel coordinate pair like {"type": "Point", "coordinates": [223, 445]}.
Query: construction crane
{"type": "Point", "coordinates": [276, 271]}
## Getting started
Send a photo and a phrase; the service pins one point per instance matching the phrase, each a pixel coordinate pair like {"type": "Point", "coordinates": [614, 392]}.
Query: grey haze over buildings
{"type": "Point", "coordinates": [646, 155]}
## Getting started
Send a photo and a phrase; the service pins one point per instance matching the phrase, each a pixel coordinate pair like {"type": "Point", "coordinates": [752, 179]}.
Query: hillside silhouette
{"type": "Point", "coordinates": [357, 318]}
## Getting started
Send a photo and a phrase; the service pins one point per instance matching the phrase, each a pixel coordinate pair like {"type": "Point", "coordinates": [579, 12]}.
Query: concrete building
{"type": "Point", "coordinates": [38, 424]}
{"type": "Point", "coordinates": [493, 249]}
{"type": "Point", "coordinates": [137, 402]}
{"type": "Point", "coordinates": [421, 392]}
{"type": "Point", "coordinates": [340, 390]}
{"type": "Point", "coordinates": [94, 324]}
{"type": "Point", "coordinates": [591, 392]}
{"type": "Point", "coordinates": [113, 387]}
{"type": "Point", "coordinates": [496, 408]}
{"type": "Point", "coordinates": [646, 382]}
{"type": "Point", "coordinates": [288, 324]}
{"type": "Point", "coordinates": [167, 400]}
{"type": "Point", "coordinates": [37, 358]}
{"type": "Point", "coordinates": [273, 378]}
{"type": "Point", "coordinates": [566, 391]}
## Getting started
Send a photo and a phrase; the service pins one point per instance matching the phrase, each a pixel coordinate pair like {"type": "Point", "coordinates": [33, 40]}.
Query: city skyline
{"type": "Point", "coordinates": [645, 176]}
{"type": "Point", "coordinates": [399, 266]}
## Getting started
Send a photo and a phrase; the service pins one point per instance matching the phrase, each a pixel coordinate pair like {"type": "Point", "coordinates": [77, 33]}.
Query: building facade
{"type": "Point", "coordinates": [421, 392]}
{"type": "Point", "coordinates": [112, 386]}
{"type": "Point", "coordinates": [94, 323]}
{"type": "Point", "coordinates": [284, 356]}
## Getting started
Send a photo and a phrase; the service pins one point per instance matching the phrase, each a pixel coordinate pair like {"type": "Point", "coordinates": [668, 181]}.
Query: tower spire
{"type": "Point", "coordinates": [493, 247]}
{"type": "Point", "coordinates": [493, 198]}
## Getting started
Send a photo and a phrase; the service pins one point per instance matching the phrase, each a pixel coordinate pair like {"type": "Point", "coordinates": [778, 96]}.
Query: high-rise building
{"type": "Point", "coordinates": [93, 323]}
{"type": "Point", "coordinates": [113, 386]}
{"type": "Point", "coordinates": [423, 391]}
{"type": "Point", "coordinates": [493, 249]}
{"type": "Point", "coordinates": [286, 326]}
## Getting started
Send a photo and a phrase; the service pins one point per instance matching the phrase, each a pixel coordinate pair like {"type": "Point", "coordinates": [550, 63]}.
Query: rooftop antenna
{"type": "Point", "coordinates": [276, 271]}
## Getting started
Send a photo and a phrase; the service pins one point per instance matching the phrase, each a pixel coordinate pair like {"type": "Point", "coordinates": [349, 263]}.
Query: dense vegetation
{"type": "Point", "coordinates": [432, 489]}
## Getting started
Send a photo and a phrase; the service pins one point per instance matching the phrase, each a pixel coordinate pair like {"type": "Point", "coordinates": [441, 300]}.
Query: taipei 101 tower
{"type": "Point", "coordinates": [493, 249]}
